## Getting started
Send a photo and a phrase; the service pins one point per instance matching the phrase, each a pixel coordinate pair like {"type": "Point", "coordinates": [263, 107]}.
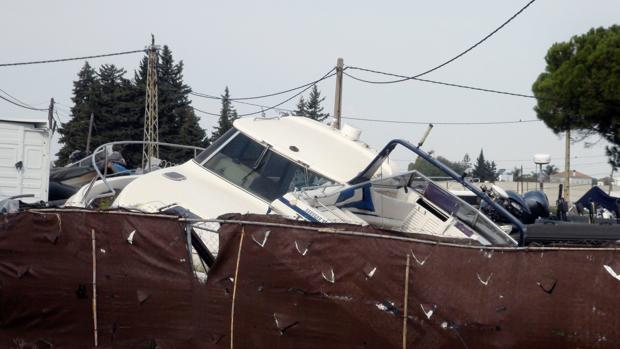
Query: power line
{"type": "Point", "coordinates": [442, 123]}
{"type": "Point", "coordinates": [71, 59]}
{"type": "Point", "coordinates": [560, 157]}
{"type": "Point", "coordinates": [311, 83]}
{"type": "Point", "coordinates": [58, 119]}
{"type": "Point", "coordinates": [202, 95]}
{"type": "Point", "coordinates": [16, 99]}
{"type": "Point", "coordinates": [405, 78]}
{"type": "Point", "coordinates": [22, 106]}
{"type": "Point", "coordinates": [370, 119]}
{"type": "Point", "coordinates": [440, 83]}
{"type": "Point", "coordinates": [328, 75]}
{"type": "Point", "coordinates": [205, 112]}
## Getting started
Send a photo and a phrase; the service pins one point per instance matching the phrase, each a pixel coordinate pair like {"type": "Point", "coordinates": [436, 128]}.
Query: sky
{"type": "Point", "coordinates": [258, 47]}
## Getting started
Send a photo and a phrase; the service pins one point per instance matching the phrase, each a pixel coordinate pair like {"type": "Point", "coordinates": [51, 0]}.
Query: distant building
{"type": "Point", "coordinates": [504, 176]}
{"type": "Point", "coordinates": [576, 178]}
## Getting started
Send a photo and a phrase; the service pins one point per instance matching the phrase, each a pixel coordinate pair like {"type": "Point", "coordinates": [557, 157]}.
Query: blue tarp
{"type": "Point", "coordinates": [600, 198]}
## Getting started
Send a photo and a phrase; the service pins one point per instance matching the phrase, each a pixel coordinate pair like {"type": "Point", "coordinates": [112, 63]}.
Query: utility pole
{"type": "Point", "coordinates": [521, 178]}
{"type": "Point", "coordinates": [151, 123]}
{"type": "Point", "coordinates": [50, 114]}
{"type": "Point", "coordinates": [567, 167]}
{"type": "Point", "coordinates": [90, 132]}
{"type": "Point", "coordinates": [338, 97]}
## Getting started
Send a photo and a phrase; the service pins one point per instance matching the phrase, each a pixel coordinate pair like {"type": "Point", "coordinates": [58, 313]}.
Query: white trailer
{"type": "Point", "coordinates": [24, 159]}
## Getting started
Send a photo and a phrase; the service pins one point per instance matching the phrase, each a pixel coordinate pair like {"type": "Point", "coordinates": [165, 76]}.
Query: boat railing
{"type": "Point", "coordinates": [374, 165]}
{"type": "Point", "coordinates": [103, 176]}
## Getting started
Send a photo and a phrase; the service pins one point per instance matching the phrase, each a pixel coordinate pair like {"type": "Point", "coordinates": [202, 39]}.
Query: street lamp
{"type": "Point", "coordinates": [540, 160]}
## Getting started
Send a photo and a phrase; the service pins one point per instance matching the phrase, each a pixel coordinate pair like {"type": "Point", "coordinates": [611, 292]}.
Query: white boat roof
{"type": "Point", "coordinates": [321, 147]}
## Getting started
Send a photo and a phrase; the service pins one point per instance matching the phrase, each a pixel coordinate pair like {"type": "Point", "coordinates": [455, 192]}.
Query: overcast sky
{"type": "Point", "coordinates": [257, 47]}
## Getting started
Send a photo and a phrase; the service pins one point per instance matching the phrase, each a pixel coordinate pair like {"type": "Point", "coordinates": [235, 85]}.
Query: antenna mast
{"type": "Point", "coordinates": [151, 124]}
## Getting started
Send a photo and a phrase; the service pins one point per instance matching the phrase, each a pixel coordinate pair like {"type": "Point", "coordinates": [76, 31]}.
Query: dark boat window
{"type": "Point", "coordinates": [203, 155]}
{"type": "Point", "coordinates": [259, 170]}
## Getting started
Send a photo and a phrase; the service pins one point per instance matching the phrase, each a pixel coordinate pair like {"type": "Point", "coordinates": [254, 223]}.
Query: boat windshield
{"type": "Point", "coordinates": [258, 169]}
{"type": "Point", "coordinates": [203, 155]}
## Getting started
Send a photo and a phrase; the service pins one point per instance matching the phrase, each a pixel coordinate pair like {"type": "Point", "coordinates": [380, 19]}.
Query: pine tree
{"type": "Point", "coordinates": [492, 171]}
{"type": "Point", "coordinates": [301, 107]}
{"type": "Point", "coordinates": [118, 107]}
{"type": "Point", "coordinates": [178, 122]}
{"type": "Point", "coordinates": [113, 104]}
{"type": "Point", "coordinates": [485, 170]}
{"type": "Point", "coordinates": [73, 134]}
{"type": "Point", "coordinates": [516, 174]}
{"type": "Point", "coordinates": [314, 110]}
{"type": "Point", "coordinates": [228, 115]}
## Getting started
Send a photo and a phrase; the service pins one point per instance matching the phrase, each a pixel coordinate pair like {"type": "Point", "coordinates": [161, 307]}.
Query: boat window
{"type": "Point", "coordinates": [203, 155]}
{"type": "Point", "coordinates": [260, 170]}
{"type": "Point", "coordinates": [316, 180]}
{"type": "Point", "coordinates": [456, 207]}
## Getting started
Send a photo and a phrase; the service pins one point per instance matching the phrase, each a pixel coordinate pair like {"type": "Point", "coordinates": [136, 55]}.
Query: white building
{"type": "Point", "coordinates": [576, 178]}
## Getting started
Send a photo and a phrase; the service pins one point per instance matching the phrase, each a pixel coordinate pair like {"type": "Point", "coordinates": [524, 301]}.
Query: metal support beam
{"type": "Point", "coordinates": [151, 124]}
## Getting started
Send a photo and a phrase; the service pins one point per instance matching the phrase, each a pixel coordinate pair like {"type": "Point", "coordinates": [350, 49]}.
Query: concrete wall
{"type": "Point", "coordinates": [551, 189]}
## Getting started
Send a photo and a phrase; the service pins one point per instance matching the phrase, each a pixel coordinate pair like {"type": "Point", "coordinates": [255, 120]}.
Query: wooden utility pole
{"type": "Point", "coordinates": [50, 114]}
{"type": "Point", "coordinates": [151, 124]}
{"type": "Point", "coordinates": [521, 178]}
{"type": "Point", "coordinates": [567, 167]}
{"type": "Point", "coordinates": [338, 97]}
{"type": "Point", "coordinates": [90, 132]}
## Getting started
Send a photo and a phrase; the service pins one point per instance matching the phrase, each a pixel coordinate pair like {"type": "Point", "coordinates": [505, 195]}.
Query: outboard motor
{"type": "Point", "coordinates": [526, 208]}
{"type": "Point", "coordinates": [538, 205]}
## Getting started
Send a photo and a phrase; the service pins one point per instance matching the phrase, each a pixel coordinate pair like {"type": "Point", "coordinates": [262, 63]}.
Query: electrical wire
{"type": "Point", "coordinates": [205, 112]}
{"type": "Point", "coordinates": [328, 75]}
{"type": "Point", "coordinates": [202, 95]}
{"type": "Point", "coordinates": [23, 106]}
{"type": "Point", "coordinates": [285, 91]}
{"type": "Point", "coordinates": [405, 78]}
{"type": "Point", "coordinates": [443, 83]}
{"type": "Point", "coordinates": [442, 123]}
{"type": "Point", "coordinates": [16, 99]}
{"type": "Point", "coordinates": [284, 101]}
{"type": "Point", "coordinates": [71, 59]}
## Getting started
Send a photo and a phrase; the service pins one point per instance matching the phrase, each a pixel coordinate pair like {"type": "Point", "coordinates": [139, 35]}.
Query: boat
{"type": "Point", "coordinates": [303, 169]}
{"type": "Point", "coordinates": [330, 247]}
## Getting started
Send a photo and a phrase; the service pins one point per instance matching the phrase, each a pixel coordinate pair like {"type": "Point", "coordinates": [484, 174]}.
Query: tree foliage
{"type": "Point", "coordinates": [228, 115]}
{"type": "Point", "coordinates": [74, 132]}
{"type": "Point", "coordinates": [312, 107]}
{"type": "Point", "coordinates": [550, 170]}
{"type": "Point", "coordinates": [580, 87]}
{"type": "Point", "coordinates": [485, 170]}
{"type": "Point", "coordinates": [118, 107]}
{"type": "Point", "coordinates": [178, 122]}
{"type": "Point", "coordinates": [301, 107]}
{"type": "Point", "coordinates": [429, 170]}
